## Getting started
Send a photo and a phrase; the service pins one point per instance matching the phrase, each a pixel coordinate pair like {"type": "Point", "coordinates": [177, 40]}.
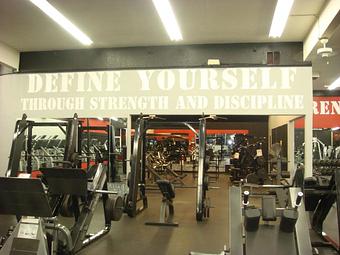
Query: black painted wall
{"type": "Point", "coordinates": [326, 92]}
{"type": "Point", "coordinates": [244, 54]}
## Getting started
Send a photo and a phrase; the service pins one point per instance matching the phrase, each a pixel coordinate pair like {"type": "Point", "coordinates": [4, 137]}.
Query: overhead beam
{"type": "Point", "coordinates": [326, 23]}
{"type": "Point", "coordinates": [9, 56]}
{"type": "Point", "coordinates": [243, 54]}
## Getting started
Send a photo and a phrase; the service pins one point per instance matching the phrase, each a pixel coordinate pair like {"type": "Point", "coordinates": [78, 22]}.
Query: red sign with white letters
{"type": "Point", "coordinates": [326, 112]}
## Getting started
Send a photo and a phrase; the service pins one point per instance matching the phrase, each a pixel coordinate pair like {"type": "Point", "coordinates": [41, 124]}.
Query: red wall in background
{"type": "Point", "coordinates": [191, 134]}
{"type": "Point", "coordinates": [326, 112]}
{"type": "Point", "coordinates": [93, 122]}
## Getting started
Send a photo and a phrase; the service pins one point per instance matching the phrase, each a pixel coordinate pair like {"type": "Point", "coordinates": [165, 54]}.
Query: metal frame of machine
{"type": "Point", "coordinates": [136, 178]}
{"type": "Point", "coordinates": [320, 200]}
{"type": "Point", "coordinates": [238, 238]}
{"type": "Point", "coordinates": [202, 202]}
{"type": "Point", "coordinates": [269, 238]}
{"type": "Point", "coordinates": [65, 182]}
{"type": "Point", "coordinates": [19, 139]}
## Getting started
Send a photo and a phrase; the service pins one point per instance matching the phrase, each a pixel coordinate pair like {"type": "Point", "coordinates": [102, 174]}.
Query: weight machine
{"type": "Point", "coordinates": [167, 210]}
{"type": "Point", "coordinates": [202, 201]}
{"type": "Point", "coordinates": [107, 150]}
{"type": "Point", "coordinates": [28, 150]}
{"type": "Point", "coordinates": [22, 145]}
{"type": "Point", "coordinates": [67, 184]}
{"type": "Point", "coordinates": [248, 162]}
{"type": "Point", "coordinates": [136, 178]}
{"type": "Point", "coordinates": [139, 158]}
{"type": "Point", "coordinates": [282, 230]}
{"type": "Point", "coordinates": [321, 195]}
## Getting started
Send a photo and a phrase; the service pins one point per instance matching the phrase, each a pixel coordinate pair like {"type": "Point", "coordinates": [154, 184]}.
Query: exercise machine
{"type": "Point", "coordinates": [136, 178]}
{"type": "Point", "coordinates": [248, 161]}
{"type": "Point", "coordinates": [23, 142]}
{"type": "Point", "coordinates": [202, 201]}
{"type": "Point", "coordinates": [30, 151]}
{"type": "Point", "coordinates": [39, 231]}
{"type": "Point", "coordinates": [101, 139]}
{"type": "Point", "coordinates": [267, 229]}
{"type": "Point", "coordinates": [289, 235]}
{"type": "Point", "coordinates": [285, 230]}
{"type": "Point", "coordinates": [66, 186]}
{"type": "Point", "coordinates": [139, 160]}
{"type": "Point", "coordinates": [167, 210]}
{"type": "Point", "coordinates": [19, 196]}
{"type": "Point", "coordinates": [161, 168]}
{"type": "Point", "coordinates": [322, 196]}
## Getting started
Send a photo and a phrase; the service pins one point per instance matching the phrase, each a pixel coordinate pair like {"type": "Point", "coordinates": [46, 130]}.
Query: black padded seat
{"type": "Point", "coordinates": [310, 181]}
{"type": "Point", "coordinates": [167, 189]}
{"type": "Point", "coordinates": [251, 219]}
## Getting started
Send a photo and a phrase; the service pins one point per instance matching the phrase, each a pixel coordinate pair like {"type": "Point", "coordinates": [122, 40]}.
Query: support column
{"type": "Point", "coordinates": [308, 144]}
{"type": "Point", "coordinates": [291, 146]}
{"type": "Point", "coordinates": [128, 144]}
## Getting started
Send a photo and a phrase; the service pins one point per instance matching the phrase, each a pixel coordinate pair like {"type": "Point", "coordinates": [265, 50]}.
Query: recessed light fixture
{"type": "Point", "coordinates": [280, 18]}
{"type": "Point", "coordinates": [335, 84]}
{"type": "Point", "coordinates": [62, 21]}
{"type": "Point", "coordinates": [168, 18]}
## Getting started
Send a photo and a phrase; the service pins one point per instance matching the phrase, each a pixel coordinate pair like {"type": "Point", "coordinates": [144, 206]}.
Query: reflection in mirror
{"type": "Point", "coordinates": [234, 144]}
{"type": "Point", "coordinates": [282, 147]}
{"type": "Point", "coordinates": [40, 143]}
{"type": "Point", "coordinates": [299, 141]}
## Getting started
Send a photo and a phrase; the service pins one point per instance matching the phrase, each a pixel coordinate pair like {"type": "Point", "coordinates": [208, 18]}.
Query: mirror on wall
{"type": "Point", "coordinates": [299, 141]}
{"type": "Point", "coordinates": [259, 149]}
{"type": "Point", "coordinates": [41, 143]}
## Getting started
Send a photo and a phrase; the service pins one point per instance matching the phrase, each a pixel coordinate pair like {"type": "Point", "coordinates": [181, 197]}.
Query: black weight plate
{"type": "Point", "coordinates": [114, 208]}
{"type": "Point", "coordinates": [118, 209]}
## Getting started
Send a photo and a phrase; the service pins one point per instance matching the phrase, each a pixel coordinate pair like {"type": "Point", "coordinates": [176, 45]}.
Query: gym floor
{"type": "Point", "coordinates": [130, 236]}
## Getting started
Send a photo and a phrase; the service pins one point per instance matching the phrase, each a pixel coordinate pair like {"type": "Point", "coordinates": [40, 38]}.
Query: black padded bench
{"type": "Point", "coordinates": [167, 209]}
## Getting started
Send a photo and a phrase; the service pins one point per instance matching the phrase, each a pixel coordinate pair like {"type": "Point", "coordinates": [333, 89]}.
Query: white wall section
{"type": "Point", "coordinates": [225, 91]}
{"type": "Point", "coordinates": [9, 56]}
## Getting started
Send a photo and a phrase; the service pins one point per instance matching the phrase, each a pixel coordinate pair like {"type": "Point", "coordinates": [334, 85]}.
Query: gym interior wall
{"type": "Point", "coordinates": [121, 93]}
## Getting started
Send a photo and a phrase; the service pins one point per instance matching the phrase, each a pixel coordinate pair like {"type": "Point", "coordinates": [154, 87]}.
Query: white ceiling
{"type": "Point", "coordinates": [124, 23]}
{"type": "Point", "coordinates": [116, 23]}
{"type": "Point", "coordinates": [327, 68]}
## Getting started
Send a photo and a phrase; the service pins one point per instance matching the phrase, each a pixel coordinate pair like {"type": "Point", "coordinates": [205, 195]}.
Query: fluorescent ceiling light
{"type": "Point", "coordinates": [335, 84]}
{"type": "Point", "coordinates": [59, 18]}
{"type": "Point", "coordinates": [168, 18]}
{"type": "Point", "coordinates": [335, 128]}
{"type": "Point", "coordinates": [280, 18]}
